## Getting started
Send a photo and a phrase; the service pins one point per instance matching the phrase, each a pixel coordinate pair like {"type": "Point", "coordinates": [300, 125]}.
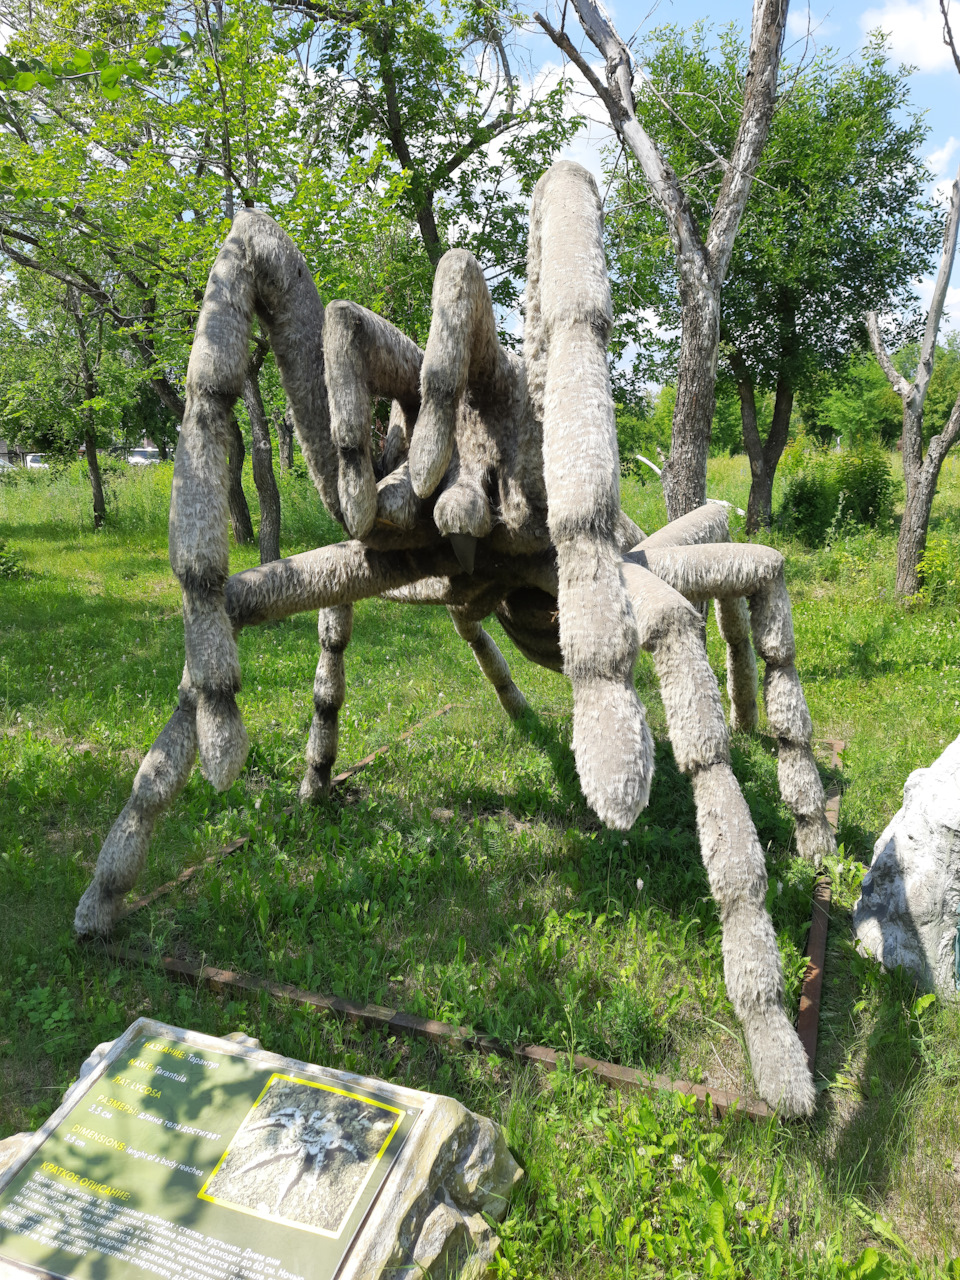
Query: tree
{"type": "Point", "coordinates": [64, 379]}
{"type": "Point", "coordinates": [702, 258]}
{"type": "Point", "coordinates": [126, 200]}
{"type": "Point", "coordinates": [836, 221]}
{"type": "Point", "coordinates": [920, 473]}
{"type": "Point", "coordinates": [439, 90]}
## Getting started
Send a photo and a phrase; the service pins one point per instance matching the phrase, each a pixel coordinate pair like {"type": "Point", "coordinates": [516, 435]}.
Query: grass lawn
{"type": "Point", "coordinates": [462, 877]}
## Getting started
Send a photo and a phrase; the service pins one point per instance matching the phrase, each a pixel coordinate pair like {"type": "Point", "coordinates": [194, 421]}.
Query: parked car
{"type": "Point", "coordinates": [35, 462]}
{"type": "Point", "coordinates": [143, 457]}
{"type": "Point", "coordinates": [6, 466]}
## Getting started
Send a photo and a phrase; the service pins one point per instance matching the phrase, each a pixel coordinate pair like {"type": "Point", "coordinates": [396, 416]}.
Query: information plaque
{"type": "Point", "coordinates": [191, 1158]}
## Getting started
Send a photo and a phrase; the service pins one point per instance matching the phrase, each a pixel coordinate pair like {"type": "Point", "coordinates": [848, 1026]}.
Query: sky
{"type": "Point", "coordinates": [913, 26]}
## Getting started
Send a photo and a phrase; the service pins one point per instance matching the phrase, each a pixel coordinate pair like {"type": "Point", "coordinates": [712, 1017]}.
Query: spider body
{"type": "Point", "coordinates": [303, 1149]}
{"type": "Point", "coordinates": [497, 491]}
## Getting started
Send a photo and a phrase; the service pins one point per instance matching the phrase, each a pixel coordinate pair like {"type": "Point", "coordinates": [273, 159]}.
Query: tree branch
{"type": "Point", "coordinates": [759, 97]}
{"type": "Point", "coordinates": [619, 101]}
{"type": "Point", "coordinates": [896, 380]}
{"type": "Point", "coordinates": [934, 315]}
{"type": "Point", "coordinates": [563, 42]}
{"type": "Point", "coordinates": [948, 33]}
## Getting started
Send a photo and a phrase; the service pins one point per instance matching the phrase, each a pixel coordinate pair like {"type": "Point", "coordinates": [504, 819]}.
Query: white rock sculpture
{"type": "Point", "coordinates": [908, 912]}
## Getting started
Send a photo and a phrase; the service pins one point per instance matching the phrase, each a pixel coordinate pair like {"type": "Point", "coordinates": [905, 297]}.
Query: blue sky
{"type": "Point", "coordinates": [913, 26]}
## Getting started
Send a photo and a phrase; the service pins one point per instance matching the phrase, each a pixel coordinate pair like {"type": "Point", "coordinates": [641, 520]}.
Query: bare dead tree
{"type": "Point", "coordinates": [702, 259]}
{"type": "Point", "coordinates": [948, 33]}
{"type": "Point", "coordinates": [921, 473]}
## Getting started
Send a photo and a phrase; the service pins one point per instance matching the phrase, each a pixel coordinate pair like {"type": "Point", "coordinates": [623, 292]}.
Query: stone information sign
{"type": "Point", "coordinates": [186, 1162]}
{"type": "Point", "coordinates": [188, 1157]}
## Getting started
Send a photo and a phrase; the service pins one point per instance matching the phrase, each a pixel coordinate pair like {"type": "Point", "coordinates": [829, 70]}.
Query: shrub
{"type": "Point", "coordinates": [865, 480]}
{"type": "Point", "coordinates": [827, 491]}
{"type": "Point", "coordinates": [939, 573]}
{"type": "Point", "coordinates": [11, 562]}
{"type": "Point", "coordinates": [810, 499]}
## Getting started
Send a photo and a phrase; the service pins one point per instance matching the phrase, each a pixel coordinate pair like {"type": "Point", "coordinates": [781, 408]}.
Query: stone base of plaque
{"type": "Point", "coordinates": [180, 1155]}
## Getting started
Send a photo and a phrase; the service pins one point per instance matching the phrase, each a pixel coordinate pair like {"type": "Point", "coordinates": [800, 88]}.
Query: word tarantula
{"type": "Point", "coordinates": [497, 491]}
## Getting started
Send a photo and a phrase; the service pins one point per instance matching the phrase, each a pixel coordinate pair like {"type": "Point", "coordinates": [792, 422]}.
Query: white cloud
{"type": "Point", "coordinates": [915, 28]}
{"type": "Point", "coordinates": [939, 159]}
{"type": "Point", "coordinates": [802, 23]}
{"type": "Point", "coordinates": [952, 308]}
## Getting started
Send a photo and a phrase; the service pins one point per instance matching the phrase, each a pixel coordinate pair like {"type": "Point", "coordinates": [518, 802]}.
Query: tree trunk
{"type": "Point", "coordinates": [764, 457]}
{"type": "Point", "coordinates": [685, 471]}
{"type": "Point", "coordinates": [263, 476]}
{"type": "Point", "coordinates": [921, 476]}
{"type": "Point", "coordinates": [239, 511]}
{"type": "Point", "coordinates": [96, 482]}
{"type": "Point", "coordinates": [285, 441]}
{"type": "Point", "coordinates": [912, 541]}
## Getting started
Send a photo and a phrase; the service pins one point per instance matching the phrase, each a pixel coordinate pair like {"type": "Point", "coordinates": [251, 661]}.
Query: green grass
{"type": "Point", "coordinates": [462, 877]}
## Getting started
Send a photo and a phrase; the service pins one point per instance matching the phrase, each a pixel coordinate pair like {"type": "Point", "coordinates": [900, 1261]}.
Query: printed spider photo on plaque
{"type": "Point", "coordinates": [303, 1155]}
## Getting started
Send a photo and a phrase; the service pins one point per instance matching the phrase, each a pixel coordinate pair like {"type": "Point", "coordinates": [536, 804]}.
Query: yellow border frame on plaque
{"type": "Point", "coordinates": [290, 1222]}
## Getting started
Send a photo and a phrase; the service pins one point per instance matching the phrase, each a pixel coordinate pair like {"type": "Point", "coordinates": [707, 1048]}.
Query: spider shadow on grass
{"type": "Point", "coordinates": [511, 911]}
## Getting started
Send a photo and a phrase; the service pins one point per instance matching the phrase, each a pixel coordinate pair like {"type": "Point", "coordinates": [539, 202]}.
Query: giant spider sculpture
{"type": "Point", "coordinates": [496, 492]}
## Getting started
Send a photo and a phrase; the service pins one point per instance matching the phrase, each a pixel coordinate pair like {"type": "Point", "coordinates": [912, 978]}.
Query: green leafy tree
{"type": "Point", "coordinates": [836, 222]}
{"type": "Point", "coordinates": [65, 380]}
{"type": "Point", "coordinates": [362, 133]}
{"type": "Point", "coordinates": [854, 406]}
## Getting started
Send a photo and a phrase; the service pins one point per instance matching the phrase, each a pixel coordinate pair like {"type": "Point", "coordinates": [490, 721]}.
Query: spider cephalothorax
{"type": "Point", "coordinates": [497, 491]}
{"type": "Point", "coordinates": [303, 1149]}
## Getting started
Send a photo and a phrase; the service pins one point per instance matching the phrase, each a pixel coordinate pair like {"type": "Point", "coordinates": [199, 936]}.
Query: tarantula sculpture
{"type": "Point", "coordinates": [303, 1149]}
{"type": "Point", "coordinates": [497, 491]}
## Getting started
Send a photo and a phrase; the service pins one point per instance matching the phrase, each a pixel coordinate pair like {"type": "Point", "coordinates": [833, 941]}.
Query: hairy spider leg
{"type": "Point", "coordinates": [756, 573]}
{"type": "Point", "coordinates": [568, 320]}
{"type": "Point", "coordinates": [491, 662]}
{"type": "Point", "coordinates": [366, 357]}
{"type": "Point", "coordinates": [709, 523]}
{"type": "Point", "coordinates": [258, 271]}
{"type": "Point", "coordinates": [670, 628]}
{"type": "Point", "coordinates": [159, 780]}
{"type": "Point", "coordinates": [335, 626]}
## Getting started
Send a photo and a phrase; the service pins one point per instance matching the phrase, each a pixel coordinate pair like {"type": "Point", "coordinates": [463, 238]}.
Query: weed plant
{"type": "Point", "coordinates": [462, 877]}
{"type": "Point", "coordinates": [826, 491]}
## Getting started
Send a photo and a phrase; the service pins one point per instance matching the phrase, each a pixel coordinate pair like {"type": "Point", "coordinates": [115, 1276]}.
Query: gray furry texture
{"type": "Point", "coordinates": [497, 492]}
{"type": "Point", "coordinates": [334, 628]}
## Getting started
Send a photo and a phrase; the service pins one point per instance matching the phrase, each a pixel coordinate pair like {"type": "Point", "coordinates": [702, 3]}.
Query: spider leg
{"type": "Point", "coordinates": [708, 523]}
{"type": "Point", "coordinates": [756, 572]}
{"type": "Point", "coordinates": [279, 1153]}
{"type": "Point", "coordinates": [463, 353]}
{"type": "Point", "coordinates": [296, 1173]}
{"type": "Point", "coordinates": [365, 357]}
{"type": "Point", "coordinates": [160, 779]}
{"type": "Point", "coordinates": [285, 1118]}
{"type": "Point", "coordinates": [670, 629]}
{"type": "Point", "coordinates": [258, 270]}
{"type": "Point", "coordinates": [491, 662]}
{"type": "Point", "coordinates": [330, 579]}
{"type": "Point", "coordinates": [569, 316]}
{"type": "Point", "coordinates": [329, 687]}
{"type": "Point", "coordinates": [733, 619]}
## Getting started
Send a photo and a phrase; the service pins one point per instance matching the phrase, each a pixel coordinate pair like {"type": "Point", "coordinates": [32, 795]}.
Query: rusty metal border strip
{"type": "Point", "coordinates": [715, 1101]}
{"type": "Point", "coordinates": [189, 872]}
